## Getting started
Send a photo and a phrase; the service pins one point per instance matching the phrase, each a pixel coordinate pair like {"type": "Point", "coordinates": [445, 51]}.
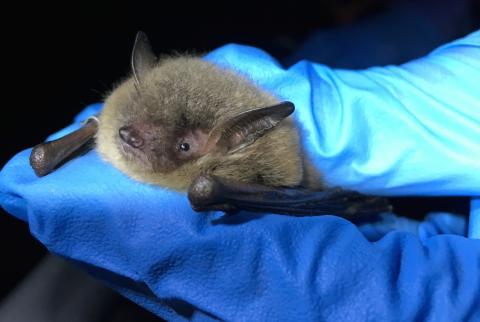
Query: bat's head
{"type": "Point", "coordinates": [178, 117]}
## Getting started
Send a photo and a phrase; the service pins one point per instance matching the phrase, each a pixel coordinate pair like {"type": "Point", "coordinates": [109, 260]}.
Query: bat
{"type": "Point", "coordinates": [184, 123]}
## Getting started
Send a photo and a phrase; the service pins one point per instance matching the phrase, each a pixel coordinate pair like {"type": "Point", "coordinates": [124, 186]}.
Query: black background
{"type": "Point", "coordinates": [57, 59]}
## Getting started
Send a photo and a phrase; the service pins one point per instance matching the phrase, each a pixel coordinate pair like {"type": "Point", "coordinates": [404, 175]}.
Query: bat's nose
{"type": "Point", "coordinates": [131, 136]}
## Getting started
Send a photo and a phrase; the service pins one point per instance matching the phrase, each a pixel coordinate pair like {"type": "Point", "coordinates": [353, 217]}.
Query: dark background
{"type": "Point", "coordinates": [58, 59]}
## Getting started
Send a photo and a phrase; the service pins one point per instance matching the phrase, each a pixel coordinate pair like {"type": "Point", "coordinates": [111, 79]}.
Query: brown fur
{"type": "Point", "coordinates": [205, 95]}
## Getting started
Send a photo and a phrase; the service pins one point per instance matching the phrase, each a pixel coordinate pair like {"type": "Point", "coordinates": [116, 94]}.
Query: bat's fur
{"type": "Point", "coordinates": [189, 93]}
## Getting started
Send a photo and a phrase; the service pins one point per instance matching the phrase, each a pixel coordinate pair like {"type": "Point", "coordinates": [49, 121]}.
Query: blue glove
{"type": "Point", "coordinates": [413, 129]}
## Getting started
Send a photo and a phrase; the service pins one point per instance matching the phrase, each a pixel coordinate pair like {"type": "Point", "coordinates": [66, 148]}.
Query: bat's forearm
{"type": "Point", "coordinates": [214, 193]}
{"type": "Point", "coordinates": [45, 157]}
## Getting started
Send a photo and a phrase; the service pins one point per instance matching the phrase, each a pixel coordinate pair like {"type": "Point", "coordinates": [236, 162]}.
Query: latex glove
{"type": "Point", "coordinates": [364, 129]}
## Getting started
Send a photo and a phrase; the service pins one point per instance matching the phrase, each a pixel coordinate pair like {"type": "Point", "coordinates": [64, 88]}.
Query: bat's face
{"type": "Point", "coordinates": [161, 145]}
{"type": "Point", "coordinates": [178, 118]}
{"type": "Point", "coordinates": [148, 130]}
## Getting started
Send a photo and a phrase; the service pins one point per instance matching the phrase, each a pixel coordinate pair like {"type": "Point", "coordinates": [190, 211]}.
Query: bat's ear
{"type": "Point", "coordinates": [143, 58]}
{"type": "Point", "coordinates": [244, 128]}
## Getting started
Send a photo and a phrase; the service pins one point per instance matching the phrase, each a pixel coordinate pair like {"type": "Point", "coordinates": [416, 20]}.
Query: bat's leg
{"type": "Point", "coordinates": [215, 193]}
{"type": "Point", "coordinates": [47, 156]}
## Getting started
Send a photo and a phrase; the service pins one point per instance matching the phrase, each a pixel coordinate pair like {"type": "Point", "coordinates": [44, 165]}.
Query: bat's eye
{"type": "Point", "coordinates": [184, 147]}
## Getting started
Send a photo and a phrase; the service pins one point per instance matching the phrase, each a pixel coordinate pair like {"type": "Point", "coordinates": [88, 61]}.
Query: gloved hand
{"type": "Point", "coordinates": [412, 129]}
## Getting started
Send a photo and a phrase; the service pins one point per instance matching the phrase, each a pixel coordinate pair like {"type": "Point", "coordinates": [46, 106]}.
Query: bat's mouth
{"type": "Point", "coordinates": [132, 154]}
{"type": "Point", "coordinates": [146, 158]}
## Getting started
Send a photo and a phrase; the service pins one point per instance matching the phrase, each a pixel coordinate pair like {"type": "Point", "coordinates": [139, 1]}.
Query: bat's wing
{"type": "Point", "coordinates": [47, 156]}
{"type": "Point", "coordinates": [214, 193]}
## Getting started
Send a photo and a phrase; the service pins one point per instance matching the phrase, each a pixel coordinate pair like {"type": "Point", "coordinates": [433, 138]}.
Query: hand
{"type": "Point", "coordinates": [396, 130]}
{"type": "Point", "coordinates": [147, 243]}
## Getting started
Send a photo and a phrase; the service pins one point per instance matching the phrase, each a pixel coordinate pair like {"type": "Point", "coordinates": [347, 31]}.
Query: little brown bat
{"type": "Point", "coordinates": [184, 123]}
